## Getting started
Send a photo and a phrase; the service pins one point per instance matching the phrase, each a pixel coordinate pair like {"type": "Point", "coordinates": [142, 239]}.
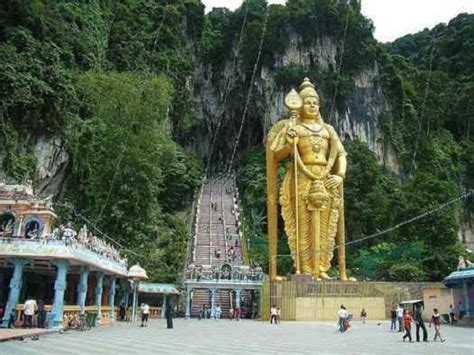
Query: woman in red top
{"type": "Point", "coordinates": [407, 320]}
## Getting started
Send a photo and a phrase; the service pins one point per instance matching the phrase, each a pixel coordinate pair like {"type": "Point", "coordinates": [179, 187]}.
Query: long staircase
{"type": "Point", "coordinates": [216, 233]}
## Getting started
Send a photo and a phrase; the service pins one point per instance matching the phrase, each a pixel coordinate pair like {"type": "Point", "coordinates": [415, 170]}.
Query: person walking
{"type": "Point", "coordinates": [41, 314]}
{"type": "Point", "coordinates": [29, 309]}
{"type": "Point", "coordinates": [461, 310]}
{"type": "Point", "coordinates": [278, 315]}
{"type": "Point", "coordinates": [342, 314]}
{"type": "Point", "coordinates": [420, 324]}
{"type": "Point", "coordinates": [452, 314]}
{"type": "Point", "coordinates": [363, 315]}
{"type": "Point", "coordinates": [407, 320]}
{"type": "Point", "coordinates": [400, 318]}
{"type": "Point", "coordinates": [145, 311]}
{"type": "Point", "coordinates": [218, 312]}
{"type": "Point", "coordinates": [273, 315]}
{"type": "Point", "coordinates": [436, 320]}
{"type": "Point", "coordinates": [393, 318]}
{"type": "Point", "coordinates": [169, 316]}
{"type": "Point", "coordinates": [11, 319]}
{"type": "Point", "coordinates": [122, 312]}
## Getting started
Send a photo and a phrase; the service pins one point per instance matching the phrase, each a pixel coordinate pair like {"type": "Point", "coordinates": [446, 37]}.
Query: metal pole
{"type": "Point", "coordinates": [134, 302]}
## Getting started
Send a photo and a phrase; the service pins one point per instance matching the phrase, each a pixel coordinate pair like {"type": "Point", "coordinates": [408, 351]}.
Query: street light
{"type": "Point", "coordinates": [136, 274]}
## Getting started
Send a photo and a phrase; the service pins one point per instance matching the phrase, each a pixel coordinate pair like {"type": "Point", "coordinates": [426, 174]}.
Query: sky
{"type": "Point", "coordinates": [392, 18]}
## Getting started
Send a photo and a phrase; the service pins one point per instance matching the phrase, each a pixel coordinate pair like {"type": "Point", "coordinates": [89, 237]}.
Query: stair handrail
{"type": "Point", "coordinates": [243, 242]}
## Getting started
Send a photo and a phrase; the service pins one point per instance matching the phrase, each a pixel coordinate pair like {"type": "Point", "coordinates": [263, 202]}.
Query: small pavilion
{"type": "Point", "coordinates": [462, 284]}
{"type": "Point", "coordinates": [158, 296]}
{"type": "Point", "coordinates": [70, 275]}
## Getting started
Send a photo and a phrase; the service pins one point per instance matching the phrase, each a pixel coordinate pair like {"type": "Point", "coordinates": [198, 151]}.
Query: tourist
{"type": "Point", "coordinates": [278, 318]}
{"type": "Point", "coordinates": [436, 320]}
{"type": "Point", "coordinates": [231, 313]}
{"type": "Point", "coordinates": [41, 314]}
{"type": "Point", "coordinates": [218, 312]}
{"type": "Point", "coordinates": [461, 310]}
{"type": "Point", "coordinates": [145, 308]}
{"type": "Point", "coordinates": [393, 318]}
{"type": "Point", "coordinates": [420, 324]}
{"type": "Point", "coordinates": [217, 253]}
{"type": "Point", "coordinates": [273, 315]}
{"type": "Point", "coordinates": [169, 316]}
{"type": "Point", "coordinates": [342, 314]}
{"type": "Point", "coordinates": [237, 313]}
{"type": "Point", "coordinates": [11, 319]}
{"type": "Point", "coordinates": [407, 320]}
{"type": "Point", "coordinates": [400, 318]}
{"type": "Point", "coordinates": [452, 314]}
{"type": "Point", "coordinates": [202, 312]}
{"type": "Point", "coordinates": [122, 312]}
{"type": "Point", "coordinates": [363, 315]}
{"type": "Point", "coordinates": [29, 309]}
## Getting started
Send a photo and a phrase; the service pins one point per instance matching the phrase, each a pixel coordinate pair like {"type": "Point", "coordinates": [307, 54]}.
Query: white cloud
{"type": "Point", "coordinates": [392, 18]}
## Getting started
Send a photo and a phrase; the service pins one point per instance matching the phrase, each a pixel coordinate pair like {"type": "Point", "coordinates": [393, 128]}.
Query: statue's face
{"type": "Point", "coordinates": [310, 107]}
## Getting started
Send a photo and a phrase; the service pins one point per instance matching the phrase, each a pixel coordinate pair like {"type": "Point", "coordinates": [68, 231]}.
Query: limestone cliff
{"type": "Point", "coordinates": [223, 112]}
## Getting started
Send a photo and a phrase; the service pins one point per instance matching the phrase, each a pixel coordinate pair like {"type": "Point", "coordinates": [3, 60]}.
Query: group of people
{"type": "Point", "coordinates": [405, 320]}
{"type": "Point", "coordinates": [208, 275]}
{"type": "Point", "coordinates": [66, 233]}
{"type": "Point", "coordinates": [34, 314]}
{"type": "Point", "coordinates": [344, 318]}
{"type": "Point", "coordinates": [145, 311]}
{"type": "Point", "coordinates": [206, 312]}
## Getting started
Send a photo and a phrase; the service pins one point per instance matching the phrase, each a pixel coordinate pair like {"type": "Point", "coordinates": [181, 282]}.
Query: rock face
{"type": "Point", "coordinates": [222, 107]}
{"type": "Point", "coordinates": [220, 97]}
{"type": "Point", "coordinates": [52, 163]}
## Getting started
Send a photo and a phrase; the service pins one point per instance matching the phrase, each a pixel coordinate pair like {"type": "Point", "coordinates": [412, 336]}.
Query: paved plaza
{"type": "Point", "coordinates": [224, 336]}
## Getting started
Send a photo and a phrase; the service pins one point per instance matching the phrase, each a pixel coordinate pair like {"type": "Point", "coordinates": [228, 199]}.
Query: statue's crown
{"type": "Point", "coordinates": [307, 89]}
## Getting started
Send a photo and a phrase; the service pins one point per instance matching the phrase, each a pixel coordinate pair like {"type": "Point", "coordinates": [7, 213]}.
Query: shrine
{"type": "Point", "coordinates": [68, 273]}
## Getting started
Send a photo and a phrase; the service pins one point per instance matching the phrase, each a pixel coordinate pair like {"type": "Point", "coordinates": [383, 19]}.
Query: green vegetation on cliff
{"type": "Point", "coordinates": [114, 79]}
{"type": "Point", "coordinates": [108, 79]}
{"type": "Point", "coordinates": [427, 82]}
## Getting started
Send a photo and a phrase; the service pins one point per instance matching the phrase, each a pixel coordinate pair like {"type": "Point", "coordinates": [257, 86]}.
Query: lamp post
{"type": "Point", "coordinates": [136, 274]}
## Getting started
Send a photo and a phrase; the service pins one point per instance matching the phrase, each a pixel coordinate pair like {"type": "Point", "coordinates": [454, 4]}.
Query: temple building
{"type": "Point", "coordinates": [67, 272]}
{"type": "Point", "coordinates": [462, 284]}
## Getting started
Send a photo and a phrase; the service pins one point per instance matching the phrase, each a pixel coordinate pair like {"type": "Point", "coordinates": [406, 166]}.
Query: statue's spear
{"type": "Point", "coordinates": [293, 102]}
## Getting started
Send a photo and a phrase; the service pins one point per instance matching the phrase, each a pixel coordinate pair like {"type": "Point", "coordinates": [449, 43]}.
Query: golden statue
{"type": "Point", "coordinates": [311, 194]}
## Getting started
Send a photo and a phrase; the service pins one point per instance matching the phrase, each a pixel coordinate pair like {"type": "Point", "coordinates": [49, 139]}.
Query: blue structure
{"type": "Point", "coordinates": [37, 262]}
{"type": "Point", "coordinates": [59, 288]}
{"type": "Point", "coordinates": [462, 283]}
{"type": "Point", "coordinates": [15, 287]}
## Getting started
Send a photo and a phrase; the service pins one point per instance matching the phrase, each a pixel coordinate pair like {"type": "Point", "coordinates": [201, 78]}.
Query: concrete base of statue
{"type": "Point", "coordinates": [305, 299]}
{"type": "Point", "coordinates": [300, 278]}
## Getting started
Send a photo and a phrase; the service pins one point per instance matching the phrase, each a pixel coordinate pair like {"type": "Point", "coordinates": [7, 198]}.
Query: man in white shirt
{"type": "Point", "coordinates": [145, 311]}
{"type": "Point", "coordinates": [342, 314]}
{"type": "Point", "coordinates": [273, 314]}
{"type": "Point", "coordinates": [29, 309]}
{"type": "Point", "coordinates": [399, 310]}
{"type": "Point", "coordinates": [218, 311]}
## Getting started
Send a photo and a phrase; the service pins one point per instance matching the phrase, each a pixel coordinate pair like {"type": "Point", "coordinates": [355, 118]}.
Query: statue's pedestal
{"type": "Point", "coordinates": [300, 278]}
{"type": "Point", "coordinates": [302, 298]}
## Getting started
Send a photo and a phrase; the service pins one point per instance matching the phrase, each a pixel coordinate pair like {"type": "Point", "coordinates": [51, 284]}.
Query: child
{"type": "Point", "coordinates": [407, 320]}
{"type": "Point", "coordinates": [363, 315]}
{"type": "Point", "coordinates": [436, 320]}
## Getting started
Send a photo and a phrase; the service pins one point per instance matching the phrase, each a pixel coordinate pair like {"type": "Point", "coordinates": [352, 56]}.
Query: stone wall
{"type": "Point", "coordinates": [317, 300]}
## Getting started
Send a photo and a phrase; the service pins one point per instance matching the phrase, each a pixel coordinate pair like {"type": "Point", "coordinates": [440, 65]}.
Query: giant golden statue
{"type": "Point", "coordinates": [311, 194]}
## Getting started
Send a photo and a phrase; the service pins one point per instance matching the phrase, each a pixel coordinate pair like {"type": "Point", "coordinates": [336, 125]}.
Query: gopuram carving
{"type": "Point", "coordinates": [311, 194]}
